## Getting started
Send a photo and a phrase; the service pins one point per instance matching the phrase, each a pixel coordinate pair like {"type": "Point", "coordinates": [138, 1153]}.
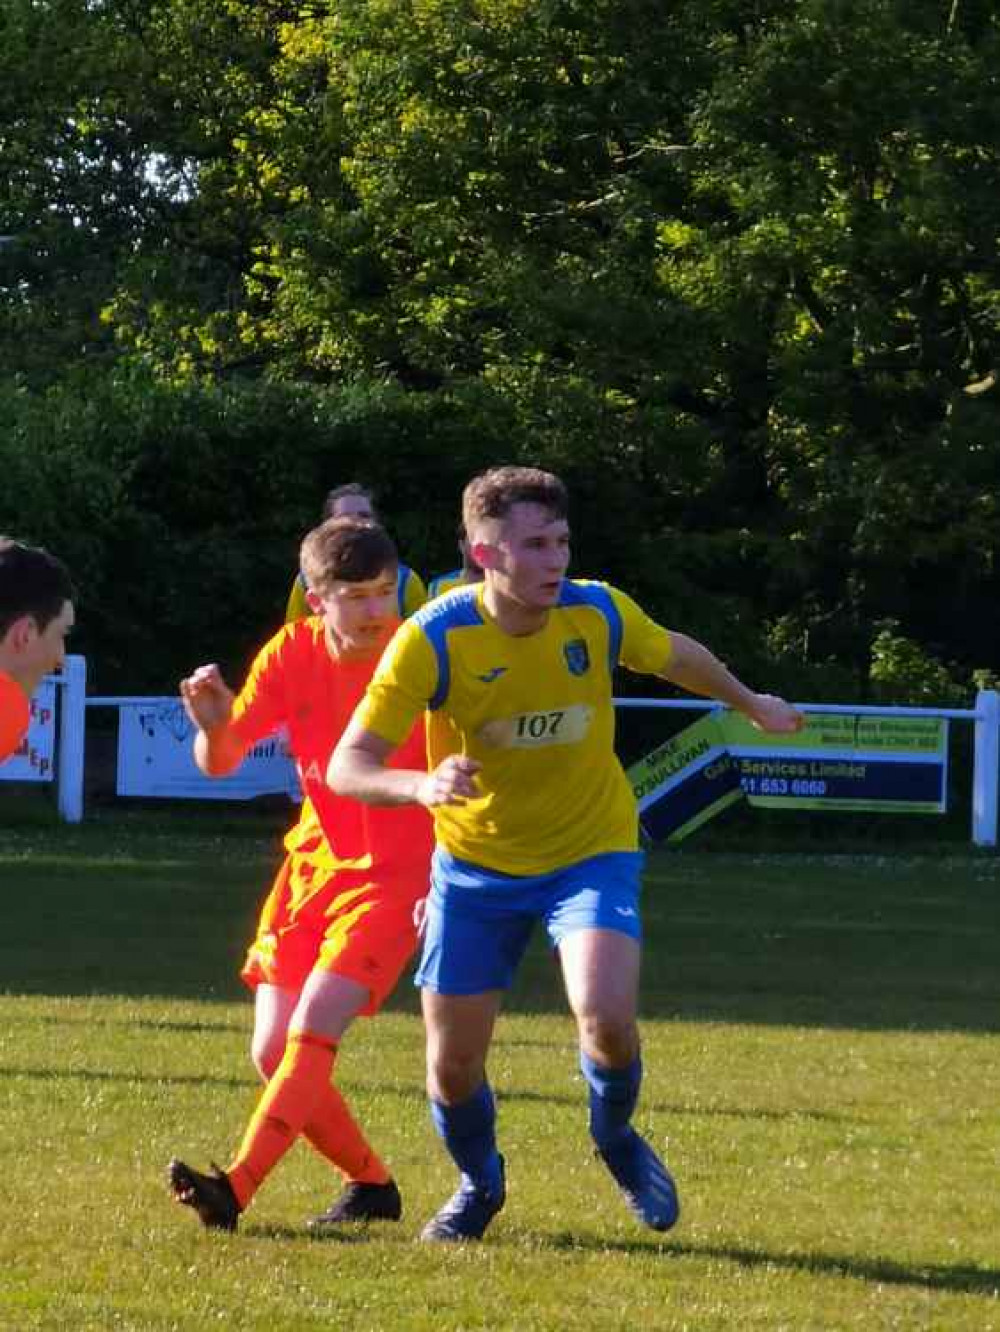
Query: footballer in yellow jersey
{"type": "Point", "coordinates": [534, 821]}
{"type": "Point", "coordinates": [410, 595]}
{"type": "Point", "coordinates": [352, 500]}
{"type": "Point", "coordinates": [469, 572]}
{"type": "Point", "coordinates": [446, 582]}
{"type": "Point", "coordinates": [536, 714]}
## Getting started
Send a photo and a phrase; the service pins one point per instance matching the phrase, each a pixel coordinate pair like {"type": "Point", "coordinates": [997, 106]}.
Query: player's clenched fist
{"type": "Point", "coordinates": [207, 699]}
{"type": "Point", "coordinates": [774, 715]}
{"type": "Point", "coordinates": [451, 783]}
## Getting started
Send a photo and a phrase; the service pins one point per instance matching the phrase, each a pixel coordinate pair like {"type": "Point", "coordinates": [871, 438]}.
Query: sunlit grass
{"type": "Point", "coordinates": [822, 1044]}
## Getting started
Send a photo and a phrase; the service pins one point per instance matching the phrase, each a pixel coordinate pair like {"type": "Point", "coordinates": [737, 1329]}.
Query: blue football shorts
{"type": "Point", "coordinates": [478, 921]}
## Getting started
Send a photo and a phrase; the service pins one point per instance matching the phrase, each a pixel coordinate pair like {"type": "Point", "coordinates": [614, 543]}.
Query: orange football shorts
{"type": "Point", "coordinates": [339, 919]}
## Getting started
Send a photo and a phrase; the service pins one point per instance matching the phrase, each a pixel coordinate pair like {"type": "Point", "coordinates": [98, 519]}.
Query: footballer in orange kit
{"type": "Point", "coordinates": [36, 614]}
{"type": "Point", "coordinates": [337, 928]}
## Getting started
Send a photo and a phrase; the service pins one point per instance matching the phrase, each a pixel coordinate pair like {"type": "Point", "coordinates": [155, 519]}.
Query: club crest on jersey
{"type": "Point", "coordinates": [577, 656]}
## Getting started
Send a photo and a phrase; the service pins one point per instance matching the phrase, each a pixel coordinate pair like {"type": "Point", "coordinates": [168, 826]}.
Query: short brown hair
{"type": "Point", "coordinates": [493, 494]}
{"type": "Point", "coordinates": [349, 550]}
{"type": "Point", "coordinates": [32, 582]}
{"type": "Point", "coordinates": [341, 492]}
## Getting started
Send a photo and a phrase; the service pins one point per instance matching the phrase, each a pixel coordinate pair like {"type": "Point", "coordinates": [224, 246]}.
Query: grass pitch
{"type": "Point", "coordinates": [822, 1045]}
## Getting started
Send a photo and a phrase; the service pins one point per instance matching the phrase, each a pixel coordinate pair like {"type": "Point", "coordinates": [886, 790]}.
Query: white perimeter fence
{"type": "Point", "coordinates": [55, 749]}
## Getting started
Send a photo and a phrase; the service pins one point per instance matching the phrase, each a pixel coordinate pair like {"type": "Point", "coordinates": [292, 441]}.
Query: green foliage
{"type": "Point", "coordinates": [189, 501]}
{"type": "Point", "coordinates": [732, 268]}
{"type": "Point", "coordinates": [902, 669]}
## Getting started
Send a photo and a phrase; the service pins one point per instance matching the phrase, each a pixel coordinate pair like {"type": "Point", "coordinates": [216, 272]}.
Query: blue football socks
{"type": "Point", "coordinates": [468, 1131]}
{"type": "Point", "coordinates": [613, 1094]}
{"type": "Point", "coordinates": [646, 1183]}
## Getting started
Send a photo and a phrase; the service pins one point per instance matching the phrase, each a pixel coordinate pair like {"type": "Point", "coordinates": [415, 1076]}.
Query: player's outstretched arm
{"type": "Point", "coordinates": [358, 768]}
{"type": "Point", "coordinates": [695, 668]}
{"type": "Point", "coordinates": [208, 702]}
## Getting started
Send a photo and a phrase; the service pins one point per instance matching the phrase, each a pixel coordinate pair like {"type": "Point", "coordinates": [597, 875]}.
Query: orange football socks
{"type": "Point", "coordinates": [285, 1107]}
{"type": "Point", "coordinates": [301, 1099]}
{"type": "Point", "coordinates": [333, 1133]}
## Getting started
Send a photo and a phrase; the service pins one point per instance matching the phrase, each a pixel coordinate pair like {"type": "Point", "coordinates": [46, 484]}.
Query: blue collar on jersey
{"type": "Point", "coordinates": [459, 609]}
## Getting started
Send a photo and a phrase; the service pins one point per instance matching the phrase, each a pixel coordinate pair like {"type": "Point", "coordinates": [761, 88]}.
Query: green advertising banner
{"type": "Point", "coordinates": [838, 761]}
{"type": "Point", "coordinates": [685, 782]}
{"type": "Point", "coordinates": [844, 761]}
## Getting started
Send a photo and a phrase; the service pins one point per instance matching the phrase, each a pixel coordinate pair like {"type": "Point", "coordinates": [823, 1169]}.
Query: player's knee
{"type": "Point", "coordinates": [452, 1076]}
{"type": "Point", "coordinates": [266, 1051]}
{"type": "Point", "coordinates": [608, 1039]}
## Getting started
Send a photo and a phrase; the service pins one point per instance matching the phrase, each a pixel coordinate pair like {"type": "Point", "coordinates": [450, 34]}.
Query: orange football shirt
{"type": "Point", "coordinates": [15, 713]}
{"type": "Point", "coordinates": [295, 685]}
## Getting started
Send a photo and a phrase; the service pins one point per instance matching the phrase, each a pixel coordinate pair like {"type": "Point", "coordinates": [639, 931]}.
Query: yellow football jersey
{"type": "Point", "coordinates": [445, 582]}
{"type": "Point", "coordinates": [410, 595]}
{"type": "Point", "coordinates": [535, 711]}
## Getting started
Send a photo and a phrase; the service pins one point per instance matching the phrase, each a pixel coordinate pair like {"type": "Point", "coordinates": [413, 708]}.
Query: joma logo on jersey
{"type": "Point", "coordinates": [577, 656]}
{"type": "Point", "coordinates": [493, 674]}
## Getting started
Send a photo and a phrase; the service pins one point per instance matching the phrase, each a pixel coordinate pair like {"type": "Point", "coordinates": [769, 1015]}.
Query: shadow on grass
{"type": "Point", "coordinates": [415, 1092]}
{"type": "Point", "coordinates": [322, 1235]}
{"type": "Point", "coordinates": [152, 1024]}
{"type": "Point", "coordinates": [145, 1079]}
{"type": "Point", "coordinates": [134, 1024]}
{"type": "Point", "coordinates": [956, 1278]}
{"type": "Point", "coordinates": [861, 942]}
{"type": "Point", "coordinates": [671, 1110]}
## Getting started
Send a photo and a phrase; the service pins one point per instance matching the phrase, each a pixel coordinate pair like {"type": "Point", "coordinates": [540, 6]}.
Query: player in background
{"type": "Point", "coordinates": [470, 571]}
{"type": "Point", "coordinates": [337, 928]}
{"type": "Point", "coordinates": [534, 820]}
{"type": "Point", "coordinates": [354, 501]}
{"type": "Point", "coordinates": [36, 614]}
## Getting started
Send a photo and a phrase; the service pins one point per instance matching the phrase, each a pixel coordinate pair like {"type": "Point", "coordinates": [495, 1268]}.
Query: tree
{"type": "Point", "coordinates": [729, 265]}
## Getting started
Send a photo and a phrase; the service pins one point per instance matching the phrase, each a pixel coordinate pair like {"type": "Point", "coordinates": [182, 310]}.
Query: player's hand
{"type": "Point", "coordinates": [207, 699]}
{"type": "Point", "coordinates": [451, 783]}
{"type": "Point", "coordinates": [774, 715]}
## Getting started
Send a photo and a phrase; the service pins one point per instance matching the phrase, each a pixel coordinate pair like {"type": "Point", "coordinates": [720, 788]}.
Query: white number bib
{"type": "Point", "coordinates": [531, 730]}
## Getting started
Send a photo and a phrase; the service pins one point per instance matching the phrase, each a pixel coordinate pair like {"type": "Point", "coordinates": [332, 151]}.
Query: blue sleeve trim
{"type": "Point", "coordinates": [599, 596]}
{"type": "Point", "coordinates": [455, 610]}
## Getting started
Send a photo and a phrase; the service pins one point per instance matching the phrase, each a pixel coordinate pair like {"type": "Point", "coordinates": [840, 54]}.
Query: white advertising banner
{"type": "Point", "coordinates": [34, 760]}
{"type": "Point", "coordinates": [155, 759]}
